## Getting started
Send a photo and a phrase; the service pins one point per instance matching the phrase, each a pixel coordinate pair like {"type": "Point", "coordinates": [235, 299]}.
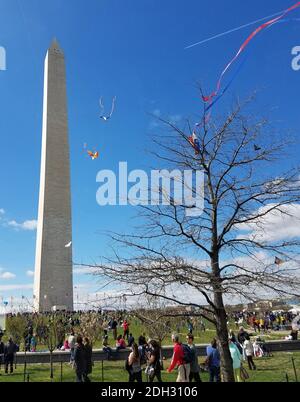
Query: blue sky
{"type": "Point", "coordinates": [133, 49]}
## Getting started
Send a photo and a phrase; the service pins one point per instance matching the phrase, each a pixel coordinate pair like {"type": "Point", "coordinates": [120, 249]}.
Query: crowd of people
{"type": "Point", "coordinates": [185, 358]}
{"type": "Point", "coordinates": [146, 355]}
{"type": "Point", "coordinates": [263, 321]}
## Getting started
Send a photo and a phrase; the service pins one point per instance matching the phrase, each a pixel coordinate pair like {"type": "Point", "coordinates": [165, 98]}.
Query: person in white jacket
{"type": "Point", "coordinates": [249, 352]}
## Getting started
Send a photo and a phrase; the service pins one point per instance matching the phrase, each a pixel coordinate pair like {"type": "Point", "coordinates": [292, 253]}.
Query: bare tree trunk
{"type": "Point", "coordinates": [227, 373]}
{"type": "Point", "coordinates": [51, 366]}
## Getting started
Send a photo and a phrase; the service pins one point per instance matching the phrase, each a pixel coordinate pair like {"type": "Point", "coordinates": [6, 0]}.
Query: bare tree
{"type": "Point", "coordinates": [227, 252]}
{"type": "Point", "coordinates": [91, 326]}
{"type": "Point", "coordinates": [154, 318]}
{"type": "Point", "coordinates": [50, 330]}
{"type": "Point", "coordinates": [16, 328]}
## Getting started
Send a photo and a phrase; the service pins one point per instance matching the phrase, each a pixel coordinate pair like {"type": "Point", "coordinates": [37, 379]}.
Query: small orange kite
{"type": "Point", "coordinates": [93, 155]}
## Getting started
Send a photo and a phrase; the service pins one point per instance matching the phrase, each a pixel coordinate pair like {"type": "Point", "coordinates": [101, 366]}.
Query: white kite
{"type": "Point", "coordinates": [103, 116]}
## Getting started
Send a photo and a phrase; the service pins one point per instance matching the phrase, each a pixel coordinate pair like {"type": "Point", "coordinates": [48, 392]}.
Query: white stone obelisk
{"type": "Point", "coordinates": [53, 281]}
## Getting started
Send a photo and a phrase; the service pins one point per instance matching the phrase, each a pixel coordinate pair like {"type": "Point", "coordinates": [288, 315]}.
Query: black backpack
{"type": "Point", "coordinates": [142, 354]}
{"type": "Point", "coordinates": [188, 354]}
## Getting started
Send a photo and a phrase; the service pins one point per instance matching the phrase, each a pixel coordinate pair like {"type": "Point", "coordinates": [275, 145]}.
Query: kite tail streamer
{"type": "Point", "coordinates": [227, 86]}
{"type": "Point", "coordinates": [207, 110]}
{"type": "Point", "coordinates": [243, 47]}
{"type": "Point", "coordinates": [113, 105]}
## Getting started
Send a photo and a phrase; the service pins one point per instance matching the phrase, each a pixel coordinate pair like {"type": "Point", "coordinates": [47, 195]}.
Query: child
{"type": "Point", "coordinates": [33, 343]}
{"type": "Point", "coordinates": [66, 345]}
{"type": "Point", "coordinates": [258, 352]}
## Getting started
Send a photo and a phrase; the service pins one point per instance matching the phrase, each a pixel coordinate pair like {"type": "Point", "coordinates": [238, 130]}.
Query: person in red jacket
{"type": "Point", "coordinates": [120, 343]}
{"type": "Point", "coordinates": [178, 361]}
{"type": "Point", "coordinates": [125, 329]}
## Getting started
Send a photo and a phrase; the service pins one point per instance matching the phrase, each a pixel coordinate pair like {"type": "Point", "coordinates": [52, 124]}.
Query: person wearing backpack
{"type": "Point", "coordinates": [213, 361]}
{"type": "Point", "coordinates": [154, 366]}
{"type": "Point", "coordinates": [195, 369]}
{"type": "Point", "coordinates": [142, 347]}
{"type": "Point", "coordinates": [181, 359]}
{"type": "Point", "coordinates": [134, 365]}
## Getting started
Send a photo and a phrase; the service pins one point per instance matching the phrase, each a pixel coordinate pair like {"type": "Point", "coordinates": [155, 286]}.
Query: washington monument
{"type": "Point", "coordinates": [53, 282]}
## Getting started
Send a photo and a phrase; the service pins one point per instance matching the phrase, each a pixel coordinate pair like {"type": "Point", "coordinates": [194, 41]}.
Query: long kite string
{"type": "Point", "coordinates": [213, 102]}
{"type": "Point", "coordinates": [244, 45]}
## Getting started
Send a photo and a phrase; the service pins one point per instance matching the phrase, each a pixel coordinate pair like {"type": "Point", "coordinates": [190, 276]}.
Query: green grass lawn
{"type": "Point", "coordinates": [272, 369]}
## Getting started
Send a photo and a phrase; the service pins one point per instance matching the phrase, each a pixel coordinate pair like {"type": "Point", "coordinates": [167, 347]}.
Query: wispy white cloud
{"type": "Point", "coordinates": [175, 118]}
{"type": "Point", "coordinates": [26, 225]}
{"type": "Point", "coordinates": [30, 273]}
{"type": "Point", "coordinates": [275, 226]}
{"type": "Point", "coordinates": [6, 274]}
{"type": "Point", "coordinates": [81, 270]}
{"type": "Point", "coordinates": [172, 118]}
{"type": "Point", "coordinates": [7, 288]}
